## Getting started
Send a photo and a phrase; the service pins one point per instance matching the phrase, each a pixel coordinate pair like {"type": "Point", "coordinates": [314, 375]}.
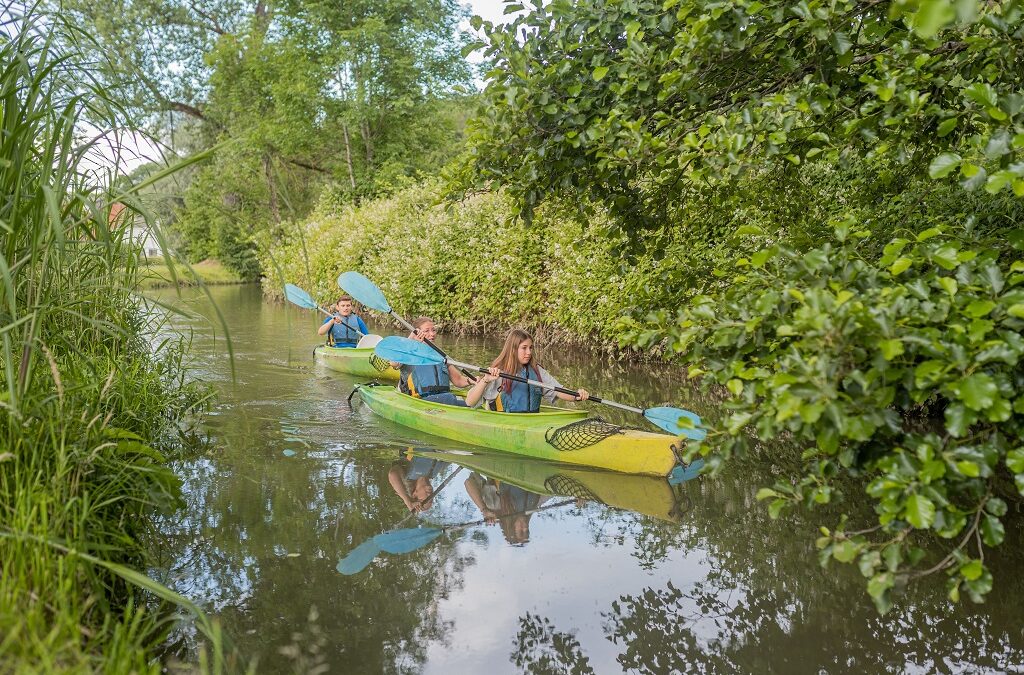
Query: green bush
{"type": "Point", "coordinates": [902, 370]}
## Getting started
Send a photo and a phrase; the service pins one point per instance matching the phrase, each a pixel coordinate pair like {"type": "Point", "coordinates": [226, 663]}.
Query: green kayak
{"type": "Point", "coordinates": [355, 361]}
{"type": "Point", "coordinates": [554, 434]}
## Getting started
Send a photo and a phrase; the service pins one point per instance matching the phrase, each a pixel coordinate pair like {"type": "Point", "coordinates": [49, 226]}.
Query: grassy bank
{"type": "Point", "coordinates": [209, 272]}
{"type": "Point", "coordinates": [89, 410]}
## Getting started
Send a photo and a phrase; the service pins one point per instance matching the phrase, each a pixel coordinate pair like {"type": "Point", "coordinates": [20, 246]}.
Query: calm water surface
{"type": "Point", "coordinates": [641, 577]}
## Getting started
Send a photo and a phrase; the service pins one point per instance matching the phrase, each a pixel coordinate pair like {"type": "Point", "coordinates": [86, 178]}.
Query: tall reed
{"type": "Point", "coordinates": [86, 398]}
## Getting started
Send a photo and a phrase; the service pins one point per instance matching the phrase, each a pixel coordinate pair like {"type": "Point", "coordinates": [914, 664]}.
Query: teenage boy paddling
{"type": "Point", "coordinates": [344, 328]}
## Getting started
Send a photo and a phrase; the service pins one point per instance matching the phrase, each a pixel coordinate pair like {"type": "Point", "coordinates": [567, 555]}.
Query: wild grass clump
{"type": "Point", "coordinates": [88, 404]}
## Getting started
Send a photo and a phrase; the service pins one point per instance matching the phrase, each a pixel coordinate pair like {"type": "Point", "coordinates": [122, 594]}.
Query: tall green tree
{"type": "Point", "coordinates": [308, 94]}
{"type": "Point", "coordinates": [636, 104]}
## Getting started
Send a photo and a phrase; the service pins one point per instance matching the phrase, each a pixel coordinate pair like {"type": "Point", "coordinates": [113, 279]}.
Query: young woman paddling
{"type": "Point", "coordinates": [431, 383]}
{"type": "Point", "coordinates": [505, 395]}
{"type": "Point", "coordinates": [344, 328]}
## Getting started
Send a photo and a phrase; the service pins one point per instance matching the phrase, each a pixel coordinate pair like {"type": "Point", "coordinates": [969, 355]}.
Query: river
{"type": "Point", "coordinates": [636, 575]}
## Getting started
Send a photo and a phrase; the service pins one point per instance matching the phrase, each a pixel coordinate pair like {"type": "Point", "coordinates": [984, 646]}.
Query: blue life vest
{"type": "Point", "coordinates": [521, 398]}
{"type": "Point", "coordinates": [422, 381]}
{"type": "Point", "coordinates": [345, 335]}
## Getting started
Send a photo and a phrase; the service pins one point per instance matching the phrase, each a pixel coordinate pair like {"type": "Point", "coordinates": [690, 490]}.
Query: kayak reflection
{"type": "Point", "coordinates": [508, 491]}
{"type": "Point", "coordinates": [647, 495]}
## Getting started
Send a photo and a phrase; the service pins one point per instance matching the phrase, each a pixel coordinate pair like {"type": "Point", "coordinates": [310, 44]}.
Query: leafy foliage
{"type": "Point", "coordinates": [637, 105]}
{"type": "Point", "coordinates": [816, 132]}
{"type": "Point", "coordinates": [302, 95]}
{"type": "Point", "coordinates": [88, 404]}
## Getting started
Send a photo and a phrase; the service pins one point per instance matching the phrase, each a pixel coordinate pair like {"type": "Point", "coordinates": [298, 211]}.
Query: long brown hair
{"type": "Point", "coordinates": [508, 359]}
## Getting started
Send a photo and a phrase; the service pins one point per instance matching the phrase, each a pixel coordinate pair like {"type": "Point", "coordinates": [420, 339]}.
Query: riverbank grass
{"type": "Point", "coordinates": [209, 272]}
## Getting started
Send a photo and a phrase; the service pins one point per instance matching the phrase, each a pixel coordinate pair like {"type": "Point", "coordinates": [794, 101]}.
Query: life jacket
{"type": "Point", "coordinates": [345, 335]}
{"type": "Point", "coordinates": [521, 398]}
{"type": "Point", "coordinates": [419, 381]}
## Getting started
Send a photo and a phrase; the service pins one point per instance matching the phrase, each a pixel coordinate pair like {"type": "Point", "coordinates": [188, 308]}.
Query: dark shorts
{"type": "Point", "coordinates": [447, 398]}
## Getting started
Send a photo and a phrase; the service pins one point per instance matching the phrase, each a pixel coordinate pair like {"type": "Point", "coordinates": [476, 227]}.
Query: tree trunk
{"type": "Point", "coordinates": [348, 156]}
{"type": "Point", "coordinates": [364, 129]}
{"type": "Point", "coordinates": [275, 211]}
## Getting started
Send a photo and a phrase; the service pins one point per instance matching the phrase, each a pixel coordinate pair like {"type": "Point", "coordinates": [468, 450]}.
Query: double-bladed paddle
{"type": "Point", "coordinates": [301, 298]}
{"type": "Point", "coordinates": [675, 421]}
{"type": "Point", "coordinates": [408, 540]}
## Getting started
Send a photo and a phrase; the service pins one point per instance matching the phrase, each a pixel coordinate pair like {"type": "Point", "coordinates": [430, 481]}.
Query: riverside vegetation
{"type": "Point", "coordinates": [764, 192]}
{"type": "Point", "coordinates": [89, 404]}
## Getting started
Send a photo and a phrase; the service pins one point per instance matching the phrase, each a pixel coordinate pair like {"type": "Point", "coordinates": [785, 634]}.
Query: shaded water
{"type": "Point", "coordinates": [659, 579]}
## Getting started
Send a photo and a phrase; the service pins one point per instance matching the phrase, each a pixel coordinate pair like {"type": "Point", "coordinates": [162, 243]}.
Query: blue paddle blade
{"type": "Point", "coordinates": [408, 351]}
{"type": "Point", "coordinates": [677, 422]}
{"type": "Point", "coordinates": [299, 297]}
{"type": "Point", "coordinates": [364, 291]}
{"type": "Point", "coordinates": [681, 474]}
{"type": "Point", "coordinates": [359, 557]}
{"type": "Point", "coordinates": [406, 541]}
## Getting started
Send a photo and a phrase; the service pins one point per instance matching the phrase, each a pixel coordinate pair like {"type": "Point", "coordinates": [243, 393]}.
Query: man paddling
{"type": "Point", "coordinates": [432, 382]}
{"type": "Point", "coordinates": [344, 328]}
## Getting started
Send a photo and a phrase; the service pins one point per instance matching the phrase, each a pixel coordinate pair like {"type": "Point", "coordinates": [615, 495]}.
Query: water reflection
{"type": "Point", "coordinates": [634, 574]}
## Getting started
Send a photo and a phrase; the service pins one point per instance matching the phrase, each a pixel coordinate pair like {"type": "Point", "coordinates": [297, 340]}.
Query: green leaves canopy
{"type": "Point", "coordinates": [631, 104]}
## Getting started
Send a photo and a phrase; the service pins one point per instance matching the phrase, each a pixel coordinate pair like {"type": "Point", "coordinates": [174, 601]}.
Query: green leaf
{"type": "Point", "coordinates": [767, 493]}
{"type": "Point", "coordinates": [992, 531]}
{"type": "Point", "coordinates": [932, 16]}
{"type": "Point", "coordinates": [735, 386]}
{"type": "Point", "coordinates": [840, 42]}
{"type": "Point", "coordinates": [890, 349]}
{"type": "Point", "coordinates": [979, 308]}
{"type": "Point", "coordinates": [1015, 460]}
{"type": "Point", "coordinates": [919, 511]}
{"type": "Point", "coordinates": [977, 391]}
{"type": "Point", "coordinates": [946, 258]}
{"type": "Point", "coordinates": [959, 419]}
{"type": "Point", "coordinates": [971, 570]}
{"type": "Point", "coordinates": [969, 469]}
{"type": "Point", "coordinates": [983, 94]}
{"type": "Point", "coordinates": [845, 551]}
{"type": "Point", "coordinates": [996, 506]}
{"type": "Point", "coordinates": [927, 372]}
{"type": "Point", "coordinates": [599, 73]}
{"type": "Point", "coordinates": [944, 164]}
{"type": "Point", "coordinates": [947, 126]}
{"type": "Point", "coordinates": [899, 266]}
{"type": "Point", "coordinates": [949, 285]}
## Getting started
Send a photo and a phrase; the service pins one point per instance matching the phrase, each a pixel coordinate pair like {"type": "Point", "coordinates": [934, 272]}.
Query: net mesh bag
{"type": "Point", "coordinates": [568, 486]}
{"type": "Point", "coordinates": [379, 363]}
{"type": "Point", "coordinates": [582, 434]}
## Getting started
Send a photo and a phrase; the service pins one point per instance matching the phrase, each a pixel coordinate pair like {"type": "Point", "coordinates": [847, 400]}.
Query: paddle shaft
{"type": "Point", "coordinates": [529, 512]}
{"type": "Point", "coordinates": [544, 385]}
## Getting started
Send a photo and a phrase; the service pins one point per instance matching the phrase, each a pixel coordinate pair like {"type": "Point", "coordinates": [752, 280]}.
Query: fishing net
{"type": "Point", "coordinates": [582, 434]}
{"type": "Point", "coordinates": [379, 363]}
{"type": "Point", "coordinates": [568, 486]}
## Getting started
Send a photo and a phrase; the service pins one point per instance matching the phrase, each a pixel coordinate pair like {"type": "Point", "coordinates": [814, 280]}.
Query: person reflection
{"type": "Point", "coordinates": [504, 504]}
{"type": "Point", "coordinates": [411, 478]}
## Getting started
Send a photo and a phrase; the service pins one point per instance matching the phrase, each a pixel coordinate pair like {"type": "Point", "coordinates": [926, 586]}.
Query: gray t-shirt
{"type": "Point", "coordinates": [491, 390]}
